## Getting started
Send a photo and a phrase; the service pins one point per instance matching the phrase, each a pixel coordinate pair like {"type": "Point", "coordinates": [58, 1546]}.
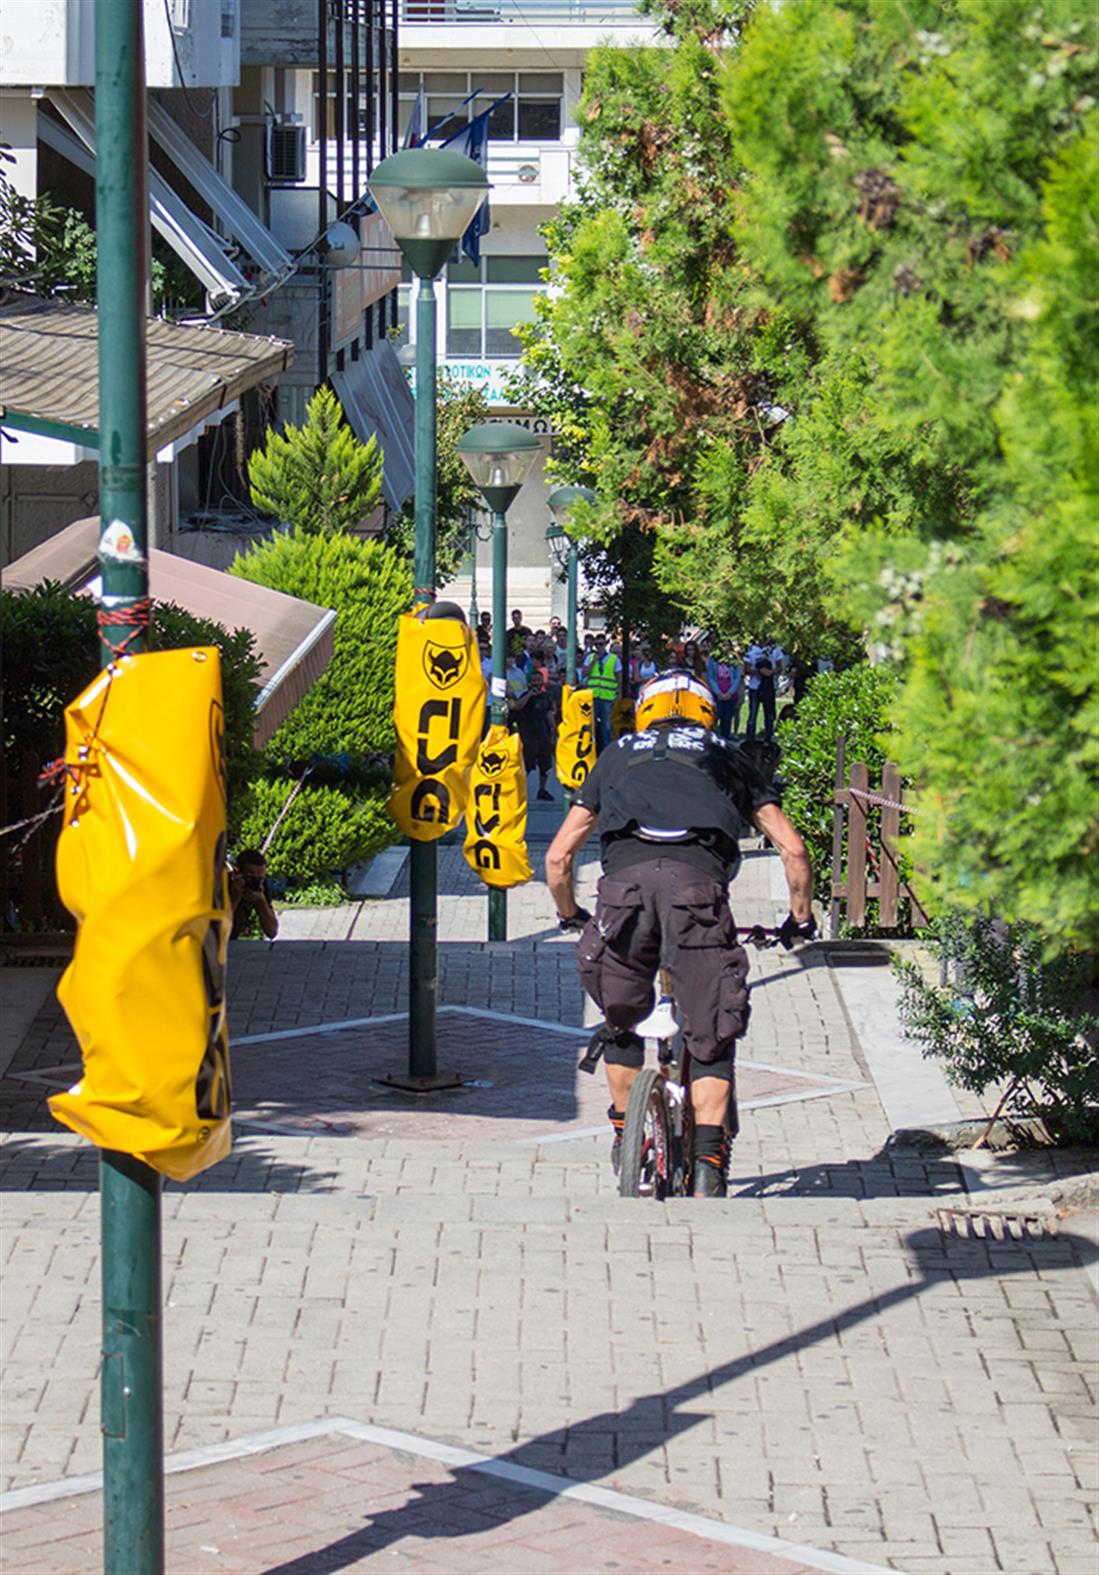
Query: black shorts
{"type": "Point", "coordinates": [666, 912]}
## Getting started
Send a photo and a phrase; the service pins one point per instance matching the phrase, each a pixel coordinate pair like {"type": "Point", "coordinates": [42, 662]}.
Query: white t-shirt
{"type": "Point", "coordinates": [755, 653]}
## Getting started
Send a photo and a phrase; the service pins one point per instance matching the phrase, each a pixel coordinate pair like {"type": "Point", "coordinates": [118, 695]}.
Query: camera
{"type": "Point", "coordinates": [253, 882]}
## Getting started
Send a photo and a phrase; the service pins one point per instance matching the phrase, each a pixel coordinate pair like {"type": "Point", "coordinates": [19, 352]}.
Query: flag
{"type": "Point", "coordinates": [414, 134]}
{"type": "Point", "coordinates": [472, 140]}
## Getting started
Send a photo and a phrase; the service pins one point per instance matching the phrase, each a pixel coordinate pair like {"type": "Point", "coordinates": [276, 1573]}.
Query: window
{"type": "Point", "coordinates": [485, 304]}
{"type": "Point", "coordinates": [533, 113]}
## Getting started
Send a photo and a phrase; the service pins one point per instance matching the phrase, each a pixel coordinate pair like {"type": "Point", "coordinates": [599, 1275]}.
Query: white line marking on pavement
{"type": "Point", "coordinates": [397, 1017]}
{"type": "Point", "coordinates": [465, 1459]}
{"type": "Point", "coordinates": [317, 1028]}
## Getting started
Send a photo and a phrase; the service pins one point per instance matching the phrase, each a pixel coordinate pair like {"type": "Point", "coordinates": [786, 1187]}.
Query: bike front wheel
{"type": "Point", "coordinates": [646, 1156]}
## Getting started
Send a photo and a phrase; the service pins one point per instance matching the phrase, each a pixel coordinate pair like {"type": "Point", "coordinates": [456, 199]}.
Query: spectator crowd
{"type": "Point", "coordinates": [746, 681]}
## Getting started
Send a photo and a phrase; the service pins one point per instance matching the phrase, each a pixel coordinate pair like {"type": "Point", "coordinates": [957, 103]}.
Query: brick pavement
{"type": "Point", "coordinates": [813, 1360]}
{"type": "Point", "coordinates": [340, 1502]}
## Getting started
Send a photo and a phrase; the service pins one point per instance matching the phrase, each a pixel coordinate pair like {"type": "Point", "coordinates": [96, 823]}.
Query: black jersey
{"type": "Point", "coordinates": [676, 791]}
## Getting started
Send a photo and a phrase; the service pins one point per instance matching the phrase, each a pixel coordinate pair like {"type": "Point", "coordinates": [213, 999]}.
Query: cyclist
{"type": "Point", "coordinates": [670, 802]}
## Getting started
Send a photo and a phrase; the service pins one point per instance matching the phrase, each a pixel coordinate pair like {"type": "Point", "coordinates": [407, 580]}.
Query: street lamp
{"type": "Point", "coordinates": [478, 530]}
{"type": "Point", "coordinates": [563, 548]}
{"type": "Point", "coordinates": [427, 196]}
{"type": "Point", "coordinates": [498, 455]}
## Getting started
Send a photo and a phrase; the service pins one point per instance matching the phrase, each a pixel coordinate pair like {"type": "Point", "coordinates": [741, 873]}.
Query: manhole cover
{"type": "Point", "coordinates": [996, 1227]}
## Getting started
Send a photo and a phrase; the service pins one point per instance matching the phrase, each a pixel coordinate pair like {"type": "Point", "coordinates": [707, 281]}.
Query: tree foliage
{"type": "Point", "coordinates": [827, 330]}
{"type": "Point", "coordinates": [854, 705]}
{"type": "Point", "coordinates": [48, 247]}
{"type": "Point", "coordinates": [350, 707]}
{"type": "Point", "coordinates": [922, 188]}
{"type": "Point", "coordinates": [317, 477]}
{"type": "Point", "coordinates": [51, 619]}
{"type": "Point", "coordinates": [346, 719]}
{"type": "Point", "coordinates": [1010, 1015]}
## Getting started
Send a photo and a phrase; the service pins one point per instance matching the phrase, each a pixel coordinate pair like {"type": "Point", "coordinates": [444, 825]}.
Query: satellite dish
{"type": "Point", "coordinates": [341, 245]}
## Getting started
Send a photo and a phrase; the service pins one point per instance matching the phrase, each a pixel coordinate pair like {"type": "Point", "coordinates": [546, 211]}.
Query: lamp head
{"type": "Point", "coordinates": [499, 455]}
{"type": "Point", "coordinates": [428, 196]}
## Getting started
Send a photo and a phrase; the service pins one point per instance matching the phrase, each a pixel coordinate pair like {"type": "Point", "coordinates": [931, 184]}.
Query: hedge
{"type": "Point", "coordinates": [351, 707]}
{"type": "Point", "coordinates": [325, 829]}
{"type": "Point", "coordinates": [853, 704]}
{"type": "Point", "coordinates": [51, 653]}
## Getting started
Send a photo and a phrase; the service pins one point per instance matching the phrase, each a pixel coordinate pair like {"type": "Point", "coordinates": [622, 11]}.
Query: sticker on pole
{"type": "Point", "coordinates": [141, 866]}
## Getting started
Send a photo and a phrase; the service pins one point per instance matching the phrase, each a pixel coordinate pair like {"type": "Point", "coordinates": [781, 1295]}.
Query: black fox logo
{"type": "Point", "coordinates": [443, 665]}
{"type": "Point", "coordinates": [493, 763]}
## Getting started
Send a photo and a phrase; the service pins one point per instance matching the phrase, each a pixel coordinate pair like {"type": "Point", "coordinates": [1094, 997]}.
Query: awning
{"type": "Point", "coordinates": [375, 394]}
{"type": "Point", "coordinates": [294, 638]}
{"type": "Point", "coordinates": [49, 371]}
{"type": "Point", "coordinates": [210, 256]}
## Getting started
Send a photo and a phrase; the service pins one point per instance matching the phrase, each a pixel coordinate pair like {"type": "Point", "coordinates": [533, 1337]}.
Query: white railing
{"type": "Point", "coordinates": [575, 13]}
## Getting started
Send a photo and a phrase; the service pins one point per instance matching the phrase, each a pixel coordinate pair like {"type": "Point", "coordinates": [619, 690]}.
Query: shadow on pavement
{"type": "Point", "coordinates": [890, 1173]}
{"type": "Point", "coordinates": [651, 1421]}
{"type": "Point", "coordinates": [31, 1163]}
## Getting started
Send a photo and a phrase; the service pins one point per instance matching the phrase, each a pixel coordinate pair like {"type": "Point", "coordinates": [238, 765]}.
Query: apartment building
{"type": "Point", "coordinates": [257, 199]}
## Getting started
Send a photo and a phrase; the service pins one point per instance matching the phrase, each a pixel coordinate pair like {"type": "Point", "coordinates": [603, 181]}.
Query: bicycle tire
{"type": "Point", "coordinates": [646, 1155]}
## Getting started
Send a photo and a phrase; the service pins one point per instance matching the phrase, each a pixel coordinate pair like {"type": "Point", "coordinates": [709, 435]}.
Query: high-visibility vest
{"type": "Point", "coordinates": [603, 679]}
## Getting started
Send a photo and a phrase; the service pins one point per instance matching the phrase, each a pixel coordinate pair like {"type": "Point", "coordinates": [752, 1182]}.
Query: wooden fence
{"type": "Point", "coordinates": [873, 870]}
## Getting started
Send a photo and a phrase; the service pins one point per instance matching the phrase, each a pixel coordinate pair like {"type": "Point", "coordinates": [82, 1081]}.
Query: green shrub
{"type": "Point", "coordinates": [351, 707]}
{"type": "Point", "coordinates": [853, 704]}
{"type": "Point", "coordinates": [50, 619]}
{"type": "Point", "coordinates": [318, 476]}
{"type": "Point", "coordinates": [1010, 1017]}
{"type": "Point", "coordinates": [324, 830]}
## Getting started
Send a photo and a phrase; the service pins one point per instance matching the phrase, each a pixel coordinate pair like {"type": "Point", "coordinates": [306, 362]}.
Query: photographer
{"type": "Point", "coordinates": [250, 894]}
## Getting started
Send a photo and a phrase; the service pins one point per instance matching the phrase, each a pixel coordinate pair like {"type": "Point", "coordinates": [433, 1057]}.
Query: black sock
{"type": "Point", "coordinates": [616, 1117]}
{"type": "Point", "coordinates": [710, 1146]}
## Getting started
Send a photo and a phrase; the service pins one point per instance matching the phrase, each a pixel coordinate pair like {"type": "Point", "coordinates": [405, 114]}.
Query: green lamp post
{"type": "Point", "coordinates": [498, 455]}
{"type": "Point", "coordinates": [561, 503]}
{"type": "Point", "coordinates": [427, 196]}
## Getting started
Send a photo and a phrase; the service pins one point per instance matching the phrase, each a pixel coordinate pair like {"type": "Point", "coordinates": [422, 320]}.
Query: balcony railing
{"type": "Point", "coordinates": [551, 13]}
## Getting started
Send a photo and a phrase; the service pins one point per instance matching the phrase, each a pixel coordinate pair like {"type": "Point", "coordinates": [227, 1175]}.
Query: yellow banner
{"type": "Point", "coordinates": [623, 717]}
{"type": "Point", "coordinates": [141, 866]}
{"type": "Point", "coordinates": [575, 739]}
{"type": "Point", "coordinates": [439, 712]}
{"type": "Point", "coordinates": [496, 820]}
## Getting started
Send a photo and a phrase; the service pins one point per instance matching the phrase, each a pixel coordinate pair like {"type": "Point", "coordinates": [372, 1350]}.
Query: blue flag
{"type": "Point", "coordinates": [472, 140]}
{"type": "Point", "coordinates": [414, 133]}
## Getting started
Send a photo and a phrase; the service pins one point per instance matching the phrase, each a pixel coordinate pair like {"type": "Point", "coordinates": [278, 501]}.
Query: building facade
{"type": "Point", "coordinates": [527, 57]}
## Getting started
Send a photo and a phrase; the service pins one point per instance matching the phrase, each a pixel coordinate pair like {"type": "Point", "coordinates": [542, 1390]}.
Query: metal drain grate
{"type": "Point", "coordinates": [996, 1227]}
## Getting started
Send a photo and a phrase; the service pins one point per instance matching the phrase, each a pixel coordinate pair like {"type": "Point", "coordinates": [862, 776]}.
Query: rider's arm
{"type": "Point", "coordinates": [777, 828]}
{"type": "Point", "coordinates": [575, 831]}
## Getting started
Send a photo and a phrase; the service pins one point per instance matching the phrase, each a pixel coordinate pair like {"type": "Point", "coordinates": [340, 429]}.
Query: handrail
{"type": "Point", "coordinates": [577, 13]}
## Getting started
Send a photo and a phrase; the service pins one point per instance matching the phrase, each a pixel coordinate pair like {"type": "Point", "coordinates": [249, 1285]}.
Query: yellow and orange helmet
{"type": "Point", "coordinates": [675, 697]}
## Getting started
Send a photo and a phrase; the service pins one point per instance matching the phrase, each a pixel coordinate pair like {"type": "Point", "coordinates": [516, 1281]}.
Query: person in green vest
{"type": "Point", "coordinates": [601, 677]}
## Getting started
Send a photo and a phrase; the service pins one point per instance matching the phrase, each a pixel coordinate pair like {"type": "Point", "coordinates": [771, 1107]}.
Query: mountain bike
{"type": "Point", "coordinates": [656, 1156]}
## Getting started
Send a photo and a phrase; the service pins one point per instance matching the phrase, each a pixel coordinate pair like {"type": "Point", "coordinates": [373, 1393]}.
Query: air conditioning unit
{"type": "Point", "coordinates": [285, 152]}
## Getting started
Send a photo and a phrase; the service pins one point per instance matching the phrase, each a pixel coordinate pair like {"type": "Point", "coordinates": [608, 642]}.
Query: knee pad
{"type": "Point", "coordinates": [626, 1049]}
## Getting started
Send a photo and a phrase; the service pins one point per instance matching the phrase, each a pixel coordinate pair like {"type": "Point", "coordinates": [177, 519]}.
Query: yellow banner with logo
{"type": "Point", "coordinates": [575, 738]}
{"type": "Point", "coordinates": [623, 717]}
{"type": "Point", "coordinates": [496, 820]}
{"type": "Point", "coordinates": [439, 712]}
{"type": "Point", "coordinates": [141, 866]}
